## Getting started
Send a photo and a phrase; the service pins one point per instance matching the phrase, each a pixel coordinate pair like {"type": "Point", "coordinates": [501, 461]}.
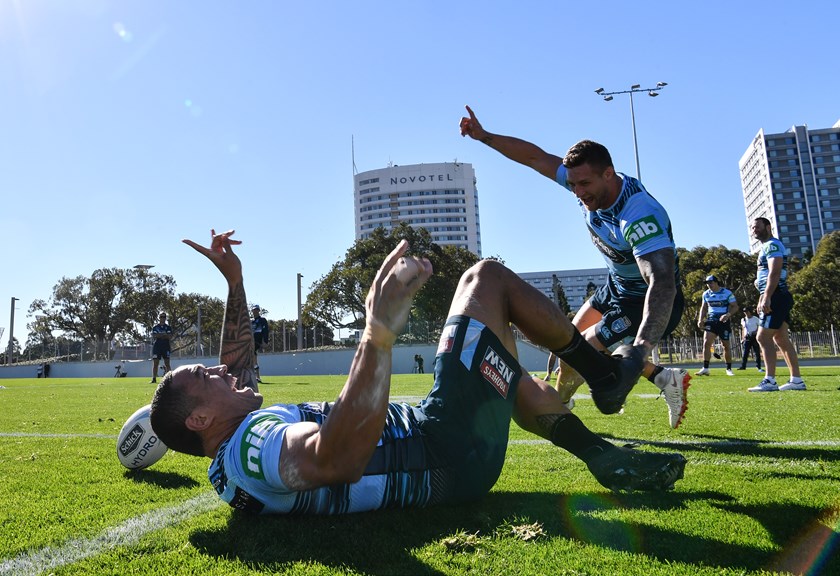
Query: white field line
{"type": "Point", "coordinates": [33, 435]}
{"type": "Point", "coordinates": [125, 534]}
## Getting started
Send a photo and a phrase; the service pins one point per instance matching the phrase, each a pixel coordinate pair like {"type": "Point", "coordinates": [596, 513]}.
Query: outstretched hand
{"type": "Point", "coordinates": [471, 126]}
{"type": "Point", "coordinates": [390, 296]}
{"type": "Point", "coordinates": [220, 253]}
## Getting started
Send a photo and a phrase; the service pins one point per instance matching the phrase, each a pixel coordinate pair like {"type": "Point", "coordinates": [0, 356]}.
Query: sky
{"type": "Point", "coordinates": [127, 126]}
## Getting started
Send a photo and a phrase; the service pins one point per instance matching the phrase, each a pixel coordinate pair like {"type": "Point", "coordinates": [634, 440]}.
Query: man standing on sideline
{"type": "Point", "coordinates": [774, 305]}
{"type": "Point", "coordinates": [715, 319]}
{"type": "Point", "coordinates": [749, 329]}
{"type": "Point", "coordinates": [162, 333]}
{"type": "Point", "coordinates": [642, 299]}
{"type": "Point", "coordinates": [260, 327]}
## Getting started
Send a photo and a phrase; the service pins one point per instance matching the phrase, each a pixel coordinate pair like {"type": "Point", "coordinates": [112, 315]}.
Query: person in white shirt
{"type": "Point", "coordinates": [749, 329]}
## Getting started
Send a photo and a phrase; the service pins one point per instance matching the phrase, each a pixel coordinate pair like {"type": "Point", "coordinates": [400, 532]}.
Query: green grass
{"type": "Point", "coordinates": [761, 494]}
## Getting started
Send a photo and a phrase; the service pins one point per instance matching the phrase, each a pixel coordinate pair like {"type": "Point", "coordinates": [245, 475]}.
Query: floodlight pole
{"type": "Point", "coordinates": [11, 348]}
{"type": "Point", "coordinates": [652, 92]}
{"type": "Point", "coordinates": [300, 319]}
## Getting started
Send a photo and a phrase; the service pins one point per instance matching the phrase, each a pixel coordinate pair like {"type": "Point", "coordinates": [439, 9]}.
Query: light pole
{"type": "Point", "coordinates": [144, 271]}
{"type": "Point", "coordinates": [652, 92]}
{"type": "Point", "coordinates": [300, 319]}
{"type": "Point", "coordinates": [10, 350]}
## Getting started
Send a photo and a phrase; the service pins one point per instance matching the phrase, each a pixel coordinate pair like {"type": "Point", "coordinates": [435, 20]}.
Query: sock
{"type": "Point", "coordinates": [585, 359]}
{"type": "Point", "coordinates": [570, 434]}
{"type": "Point", "coordinates": [657, 370]}
{"type": "Point", "coordinates": [705, 363]}
{"type": "Point", "coordinates": [729, 366]}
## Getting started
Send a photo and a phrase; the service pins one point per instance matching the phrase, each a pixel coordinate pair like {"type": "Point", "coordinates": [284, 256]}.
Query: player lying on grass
{"type": "Point", "coordinates": [362, 452]}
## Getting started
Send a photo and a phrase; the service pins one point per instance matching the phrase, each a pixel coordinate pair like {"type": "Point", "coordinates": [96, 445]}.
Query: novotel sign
{"type": "Point", "coordinates": [432, 178]}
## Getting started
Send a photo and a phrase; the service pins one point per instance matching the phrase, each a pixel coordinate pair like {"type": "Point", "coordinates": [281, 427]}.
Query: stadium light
{"type": "Point", "coordinates": [11, 348]}
{"type": "Point", "coordinates": [652, 92]}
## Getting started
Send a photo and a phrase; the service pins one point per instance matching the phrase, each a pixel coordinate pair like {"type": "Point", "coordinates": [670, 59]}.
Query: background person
{"type": "Point", "coordinates": [642, 300]}
{"type": "Point", "coordinates": [715, 319]}
{"type": "Point", "coordinates": [162, 333]}
{"type": "Point", "coordinates": [260, 327]}
{"type": "Point", "coordinates": [774, 305]}
{"type": "Point", "coordinates": [363, 452]}
{"type": "Point", "coordinates": [749, 330]}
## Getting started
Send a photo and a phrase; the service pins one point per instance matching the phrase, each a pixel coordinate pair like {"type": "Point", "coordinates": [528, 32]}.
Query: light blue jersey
{"type": "Point", "coordinates": [246, 474]}
{"type": "Point", "coordinates": [773, 248]}
{"type": "Point", "coordinates": [635, 225]}
{"type": "Point", "coordinates": [718, 302]}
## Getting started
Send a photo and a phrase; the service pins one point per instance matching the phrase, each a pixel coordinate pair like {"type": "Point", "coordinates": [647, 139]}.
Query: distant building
{"type": "Point", "coordinates": [575, 283]}
{"type": "Point", "coordinates": [793, 180]}
{"type": "Point", "coordinates": [442, 198]}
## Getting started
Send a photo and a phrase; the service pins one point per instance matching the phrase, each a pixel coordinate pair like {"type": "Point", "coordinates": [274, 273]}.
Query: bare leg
{"type": "Point", "coordinates": [782, 339]}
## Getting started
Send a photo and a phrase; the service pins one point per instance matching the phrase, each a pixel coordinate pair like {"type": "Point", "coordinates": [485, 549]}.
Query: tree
{"type": "Point", "coordinates": [112, 302]}
{"type": "Point", "coordinates": [816, 287]}
{"type": "Point", "coordinates": [338, 298]}
{"type": "Point", "coordinates": [560, 296]}
{"type": "Point", "coordinates": [183, 318]}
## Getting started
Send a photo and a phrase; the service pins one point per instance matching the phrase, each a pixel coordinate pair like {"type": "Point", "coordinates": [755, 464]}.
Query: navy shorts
{"type": "Point", "coordinates": [161, 350]}
{"type": "Point", "coordinates": [718, 328]}
{"type": "Point", "coordinates": [781, 304]}
{"type": "Point", "coordinates": [622, 316]}
{"type": "Point", "coordinates": [466, 417]}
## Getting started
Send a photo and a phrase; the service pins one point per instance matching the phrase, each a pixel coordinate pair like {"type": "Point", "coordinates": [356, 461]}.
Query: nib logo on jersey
{"type": "Point", "coordinates": [642, 230]}
{"type": "Point", "coordinates": [496, 371]}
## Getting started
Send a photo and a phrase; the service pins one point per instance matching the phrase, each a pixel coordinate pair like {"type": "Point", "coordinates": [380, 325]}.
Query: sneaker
{"type": "Point", "coordinates": [610, 392]}
{"type": "Point", "coordinates": [153, 381]}
{"type": "Point", "coordinates": [674, 383]}
{"type": "Point", "coordinates": [729, 372]}
{"type": "Point", "coordinates": [627, 469]}
{"type": "Point", "coordinates": [766, 385]}
{"type": "Point", "coordinates": [702, 372]}
{"type": "Point", "coordinates": [760, 369]}
{"type": "Point", "coordinates": [793, 385]}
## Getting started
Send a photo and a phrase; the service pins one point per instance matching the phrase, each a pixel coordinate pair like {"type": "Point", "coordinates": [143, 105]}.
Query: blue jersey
{"type": "Point", "coordinates": [718, 302]}
{"type": "Point", "coordinates": [160, 330]}
{"type": "Point", "coordinates": [635, 225]}
{"type": "Point", "coordinates": [260, 328]}
{"type": "Point", "coordinates": [246, 471]}
{"type": "Point", "coordinates": [773, 248]}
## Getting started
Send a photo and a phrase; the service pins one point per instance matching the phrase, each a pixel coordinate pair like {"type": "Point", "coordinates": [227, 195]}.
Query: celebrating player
{"type": "Point", "coordinates": [642, 298]}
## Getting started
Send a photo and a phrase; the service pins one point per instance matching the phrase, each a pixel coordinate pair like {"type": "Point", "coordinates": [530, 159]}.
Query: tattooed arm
{"type": "Point", "coordinates": [237, 336]}
{"type": "Point", "coordinates": [658, 271]}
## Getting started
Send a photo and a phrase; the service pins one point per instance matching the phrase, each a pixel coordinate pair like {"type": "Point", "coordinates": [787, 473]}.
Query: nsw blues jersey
{"type": "Point", "coordinates": [718, 302]}
{"type": "Point", "coordinates": [635, 225]}
{"type": "Point", "coordinates": [773, 248]}
{"type": "Point", "coordinates": [246, 471]}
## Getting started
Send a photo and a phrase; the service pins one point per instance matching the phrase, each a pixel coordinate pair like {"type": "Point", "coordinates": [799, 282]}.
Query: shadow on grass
{"type": "Point", "coordinates": [382, 542]}
{"type": "Point", "coordinates": [167, 480]}
{"type": "Point", "coordinates": [741, 447]}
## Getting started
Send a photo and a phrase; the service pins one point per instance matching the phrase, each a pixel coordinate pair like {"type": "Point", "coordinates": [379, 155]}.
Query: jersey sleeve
{"type": "Point", "coordinates": [560, 177]}
{"type": "Point", "coordinates": [645, 225]}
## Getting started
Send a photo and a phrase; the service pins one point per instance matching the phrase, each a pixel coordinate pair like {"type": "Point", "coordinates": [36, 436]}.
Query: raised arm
{"type": "Point", "coordinates": [237, 336]}
{"type": "Point", "coordinates": [339, 450]}
{"type": "Point", "coordinates": [516, 149]}
{"type": "Point", "coordinates": [657, 268]}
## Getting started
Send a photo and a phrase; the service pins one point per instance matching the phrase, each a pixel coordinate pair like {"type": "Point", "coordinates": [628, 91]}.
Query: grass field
{"type": "Point", "coordinates": [761, 494]}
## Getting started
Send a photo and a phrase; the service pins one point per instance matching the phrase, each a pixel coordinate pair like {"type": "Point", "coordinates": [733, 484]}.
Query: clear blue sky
{"type": "Point", "coordinates": [127, 126]}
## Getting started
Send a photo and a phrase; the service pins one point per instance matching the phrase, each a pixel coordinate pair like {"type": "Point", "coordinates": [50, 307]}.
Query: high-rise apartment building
{"type": "Point", "coordinates": [793, 180]}
{"type": "Point", "coordinates": [576, 284]}
{"type": "Point", "coordinates": [442, 198]}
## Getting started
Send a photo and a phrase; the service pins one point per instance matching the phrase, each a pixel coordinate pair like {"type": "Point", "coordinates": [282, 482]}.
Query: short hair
{"type": "Point", "coordinates": [588, 152]}
{"type": "Point", "coordinates": [170, 409]}
{"type": "Point", "coordinates": [763, 220]}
